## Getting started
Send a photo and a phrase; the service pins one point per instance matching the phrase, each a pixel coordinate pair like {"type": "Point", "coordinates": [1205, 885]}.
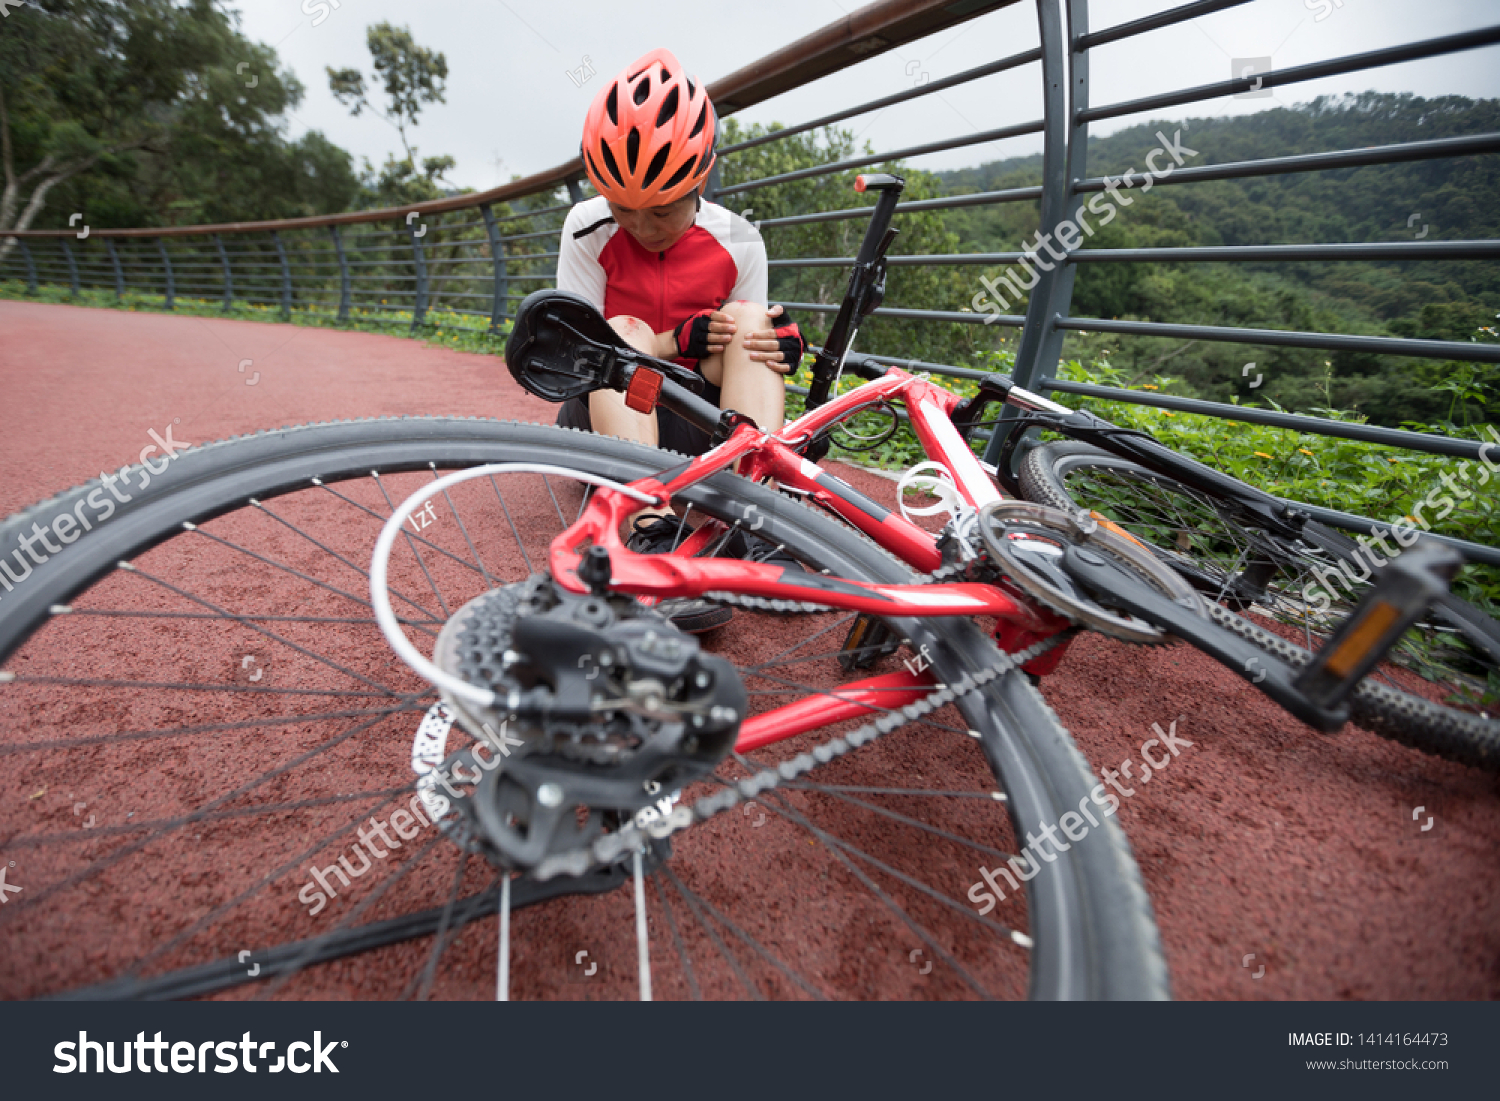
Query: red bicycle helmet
{"type": "Point", "coordinates": [648, 139]}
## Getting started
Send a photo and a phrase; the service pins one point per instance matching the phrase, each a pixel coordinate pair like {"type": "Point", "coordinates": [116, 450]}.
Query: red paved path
{"type": "Point", "coordinates": [1263, 838]}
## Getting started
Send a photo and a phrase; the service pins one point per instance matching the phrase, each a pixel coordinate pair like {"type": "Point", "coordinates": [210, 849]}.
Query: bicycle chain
{"type": "Point", "coordinates": [610, 848]}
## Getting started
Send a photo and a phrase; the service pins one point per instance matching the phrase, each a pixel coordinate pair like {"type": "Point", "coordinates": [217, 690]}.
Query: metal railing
{"type": "Point", "coordinates": [475, 255]}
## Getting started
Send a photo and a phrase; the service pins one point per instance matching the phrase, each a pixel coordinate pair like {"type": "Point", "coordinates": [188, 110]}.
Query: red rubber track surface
{"type": "Point", "coordinates": [1262, 838]}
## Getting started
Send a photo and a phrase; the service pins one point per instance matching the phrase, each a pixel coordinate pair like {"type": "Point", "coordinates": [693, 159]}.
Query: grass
{"type": "Point", "coordinates": [441, 328]}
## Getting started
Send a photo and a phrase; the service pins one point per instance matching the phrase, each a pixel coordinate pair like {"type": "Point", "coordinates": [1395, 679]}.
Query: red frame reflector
{"type": "Point", "coordinates": [643, 390]}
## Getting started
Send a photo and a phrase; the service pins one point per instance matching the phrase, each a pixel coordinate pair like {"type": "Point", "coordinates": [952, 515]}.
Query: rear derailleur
{"type": "Point", "coordinates": [602, 707]}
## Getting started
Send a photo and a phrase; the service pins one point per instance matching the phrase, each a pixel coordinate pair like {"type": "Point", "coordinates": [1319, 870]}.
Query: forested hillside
{"type": "Point", "coordinates": [1451, 199]}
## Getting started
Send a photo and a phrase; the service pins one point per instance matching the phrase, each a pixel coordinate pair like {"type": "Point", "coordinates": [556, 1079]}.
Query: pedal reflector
{"type": "Point", "coordinates": [1404, 589]}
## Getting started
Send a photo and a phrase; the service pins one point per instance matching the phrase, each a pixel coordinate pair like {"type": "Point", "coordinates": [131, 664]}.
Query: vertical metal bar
{"type": "Point", "coordinates": [497, 259]}
{"type": "Point", "coordinates": [30, 266]}
{"type": "Point", "coordinates": [114, 258]}
{"type": "Point", "coordinates": [711, 192]}
{"type": "Point", "coordinates": [419, 307]}
{"type": "Point", "coordinates": [338, 248]}
{"type": "Point", "coordinates": [228, 273]}
{"type": "Point", "coordinates": [286, 275]}
{"type": "Point", "coordinates": [1055, 196]}
{"type": "Point", "coordinates": [1049, 349]}
{"type": "Point", "coordinates": [575, 191]}
{"type": "Point", "coordinates": [72, 266]}
{"type": "Point", "coordinates": [161, 247]}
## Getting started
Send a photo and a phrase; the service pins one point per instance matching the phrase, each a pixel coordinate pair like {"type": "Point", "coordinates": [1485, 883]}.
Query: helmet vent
{"type": "Point", "coordinates": [612, 106]}
{"type": "Point", "coordinates": [642, 91]}
{"type": "Point", "coordinates": [632, 148]}
{"type": "Point", "coordinates": [668, 108]}
{"type": "Point", "coordinates": [609, 163]}
{"type": "Point", "coordinates": [680, 175]}
{"type": "Point", "coordinates": [658, 163]}
{"type": "Point", "coordinates": [702, 118]}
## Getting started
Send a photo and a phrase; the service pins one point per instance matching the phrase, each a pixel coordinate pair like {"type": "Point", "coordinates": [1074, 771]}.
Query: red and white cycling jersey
{"type": "Point", "coordinates": [721, 258]}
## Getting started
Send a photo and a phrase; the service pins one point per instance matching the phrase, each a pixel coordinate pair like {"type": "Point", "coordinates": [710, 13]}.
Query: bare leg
{"type": "Point", "coordinates": [748, 385]}
{"type": "Point", "coordinates": [607, 409]}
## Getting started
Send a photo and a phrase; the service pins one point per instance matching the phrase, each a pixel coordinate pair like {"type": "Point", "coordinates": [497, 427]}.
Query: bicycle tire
{"type": "Point", "coordinates": [1103, 943]}
{"type": "Point", "coordinates": [1404, 717]}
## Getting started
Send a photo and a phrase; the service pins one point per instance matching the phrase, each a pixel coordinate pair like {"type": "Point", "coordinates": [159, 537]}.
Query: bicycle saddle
{"type": "Point", "coordinates": [561, 348]}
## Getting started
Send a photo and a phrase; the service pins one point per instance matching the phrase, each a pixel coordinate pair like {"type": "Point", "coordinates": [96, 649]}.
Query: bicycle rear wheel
{"type": "Point", "coordinates": [1436, 694]}
{"type": "Point", "coordinates": [199, 701]}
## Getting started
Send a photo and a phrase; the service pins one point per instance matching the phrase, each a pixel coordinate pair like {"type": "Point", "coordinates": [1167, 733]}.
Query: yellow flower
{"type": "Point", "coordinates": [1166, 414]}
{"type": "Point", "coordinates": [1304, 451]}
{"type": "Point", "coordinates": [1389, 459]}
{"type": "Point", "coordinates": [1263, 455]}
{"type": "Point", "coordinates": [1147, 386]}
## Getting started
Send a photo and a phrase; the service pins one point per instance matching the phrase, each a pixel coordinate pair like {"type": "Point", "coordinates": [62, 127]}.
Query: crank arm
{"type": "Point", "coordinates": [1270, 675]}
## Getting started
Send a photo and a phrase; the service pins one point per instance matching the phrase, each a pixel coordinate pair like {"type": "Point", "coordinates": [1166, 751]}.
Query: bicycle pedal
{"type": "Point", "coordinates": [868, 640]}
{"type": "Point", "coordinates": [1404, 589]}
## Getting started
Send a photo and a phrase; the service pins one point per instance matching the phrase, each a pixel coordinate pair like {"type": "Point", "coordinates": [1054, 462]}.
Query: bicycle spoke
{"type": "Point", "coordinates": [416, 550]}
{"type": "Point", "coordinates": [488, 581]}
{"type": "Point", "coordinates": [211, 728]}
{"type": "Point", "coordinates": [687, 965]}
{"type": "Point", "coordinates": [30, 841]}
{"type": "Point", "coordinates": [520, 545]}
{"type": "Point", "coordinates": [833, 846]}
{"type": "Point", "coordinates": [261, 630]}
{"type": "Point", "coordinates": [413, 535]}
{"type": "Point", "coordinates": [642, 940]}
{"type": "Point", "coordinates": [320, 584]}
{"type": "Point", "coordinates": [440, 941]}
{"type": "Point", "coordinates": [693, 902]}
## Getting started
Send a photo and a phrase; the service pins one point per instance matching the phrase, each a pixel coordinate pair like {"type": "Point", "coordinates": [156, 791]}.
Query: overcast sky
{"type": "Point", "coordinates": [512, 109]}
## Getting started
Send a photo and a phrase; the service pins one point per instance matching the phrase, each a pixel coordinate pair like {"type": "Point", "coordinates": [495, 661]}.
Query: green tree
{"type": "Point", "coordinates": [151, 112]}
{"type": "Point", "coordinates": [908, 286]}
{"type": "Point", "coordinates": [411, 76]}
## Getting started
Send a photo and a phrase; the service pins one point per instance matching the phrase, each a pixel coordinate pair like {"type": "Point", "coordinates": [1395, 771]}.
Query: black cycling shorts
{"type": "Point", "coordinates": [673, 433]}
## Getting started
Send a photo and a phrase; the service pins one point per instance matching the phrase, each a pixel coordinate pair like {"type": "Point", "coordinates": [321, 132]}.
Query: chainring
{"type": "Point", "coordinates": [1026, 542]}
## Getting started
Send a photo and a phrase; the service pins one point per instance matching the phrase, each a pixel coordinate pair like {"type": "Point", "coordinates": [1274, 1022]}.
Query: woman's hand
{"type": "Point", "coordinates": [779, 347]}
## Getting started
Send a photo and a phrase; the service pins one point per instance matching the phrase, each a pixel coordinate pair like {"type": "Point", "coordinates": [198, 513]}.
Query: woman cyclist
{"type": "Point", "coordinates": [675, 276]}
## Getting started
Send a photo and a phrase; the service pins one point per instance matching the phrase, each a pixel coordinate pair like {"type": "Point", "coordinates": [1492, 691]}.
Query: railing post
{"type": "Point", "coordinates": [114, 259]}
{"type": "Point", "coordinates": [30, 266]}
{"type": "Point", "coordinates": [72, 266]}
{"type": "Point", "coordinates": [1049, 337]}
{"type": "Point", "coordinates": [497, 258]}
{"type": "Point", "coordinates": [575, 191]}
{"type": "Point", "coordinates": [338, 248]}
{"type": "Point", "coordinates": [711, 192]}
{"type": "Point", "coordinates": [166, 262]}
{"type": "Point", "coordinates": [1055, 199]}
{"type": "Point", "coordinates": [228, 273]}
{"type": "Point", "coordinates": [419, 307]}
{"type": "Point", "coordinates": [286, 276]}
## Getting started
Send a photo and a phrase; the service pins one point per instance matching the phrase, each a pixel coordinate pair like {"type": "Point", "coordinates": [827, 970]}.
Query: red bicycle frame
{"type": "Point", "coordinates": [761, 455]}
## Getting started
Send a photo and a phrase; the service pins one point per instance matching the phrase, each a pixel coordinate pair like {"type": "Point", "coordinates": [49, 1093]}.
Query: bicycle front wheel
{"type": "Point", "coordinates": [1437, 691]}
{"type": "Point", "coordinates": [217, 750]}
